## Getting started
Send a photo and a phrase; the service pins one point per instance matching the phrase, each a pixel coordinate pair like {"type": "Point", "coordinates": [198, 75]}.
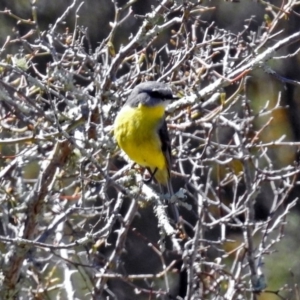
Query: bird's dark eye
{"type": "Point", "coordinates": [156, 94]}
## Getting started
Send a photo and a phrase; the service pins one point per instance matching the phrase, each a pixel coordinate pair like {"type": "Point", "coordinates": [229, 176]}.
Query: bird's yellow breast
{"type": "Point", "coordinates": [136, 131]}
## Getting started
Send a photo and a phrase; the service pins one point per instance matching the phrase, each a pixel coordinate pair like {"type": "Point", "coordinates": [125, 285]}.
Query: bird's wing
{"type": "Point", "coordinates": [166, 149]}
{"type": "Point", "coordinates": [165, 144]}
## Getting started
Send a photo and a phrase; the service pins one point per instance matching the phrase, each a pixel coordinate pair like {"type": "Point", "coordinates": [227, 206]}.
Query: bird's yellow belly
{"type": "Point", "coordinates": [136, 133]}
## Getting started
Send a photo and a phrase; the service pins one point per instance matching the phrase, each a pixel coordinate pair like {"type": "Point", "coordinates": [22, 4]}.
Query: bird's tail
{"type": "Point", "coordinates": [162, 177]}
{"type": "Point", "coordinates": [171, 201]}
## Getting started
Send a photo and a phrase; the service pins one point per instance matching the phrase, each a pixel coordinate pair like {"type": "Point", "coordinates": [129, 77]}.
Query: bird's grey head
{"type": "Point", "coordinates": [150, 93]}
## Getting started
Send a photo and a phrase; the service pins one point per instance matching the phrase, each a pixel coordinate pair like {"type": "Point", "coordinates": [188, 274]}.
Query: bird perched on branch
{"type": "Point", "coordinates": [141, 131]}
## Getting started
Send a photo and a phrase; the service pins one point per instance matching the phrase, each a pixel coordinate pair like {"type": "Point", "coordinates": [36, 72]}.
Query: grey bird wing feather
{"type": "Point", "coordinates": [166, 148]}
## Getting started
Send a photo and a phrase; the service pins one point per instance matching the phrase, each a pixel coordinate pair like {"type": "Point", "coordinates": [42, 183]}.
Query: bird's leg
{"type": "Point", "coordinates": [152, 174]}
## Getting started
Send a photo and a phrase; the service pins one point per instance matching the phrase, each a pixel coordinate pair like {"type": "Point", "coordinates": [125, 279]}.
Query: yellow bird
{"type": "Point", "coordinates": [141, 131]}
